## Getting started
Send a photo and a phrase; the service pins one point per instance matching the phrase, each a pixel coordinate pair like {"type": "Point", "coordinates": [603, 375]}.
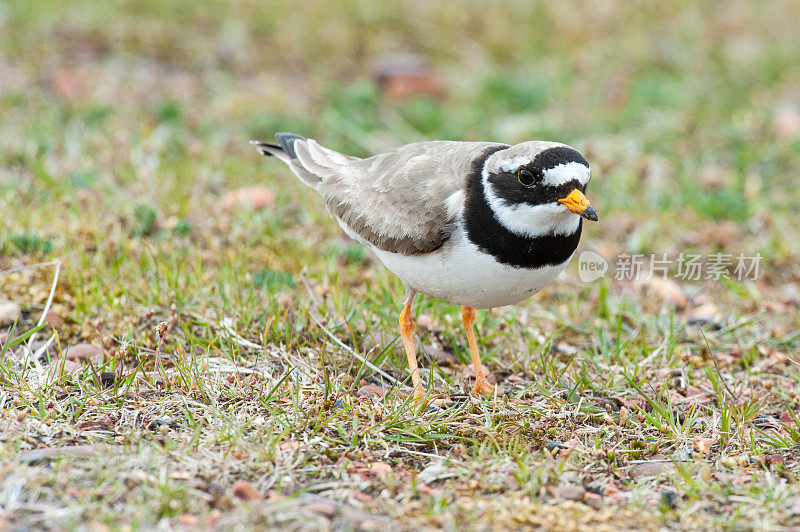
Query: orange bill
{"type": "Point", "coordinates": [577, 203]}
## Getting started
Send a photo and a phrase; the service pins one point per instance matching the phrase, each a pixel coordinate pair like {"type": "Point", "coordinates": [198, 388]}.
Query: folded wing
{"type": "Point", "coordinates": [404, 201]}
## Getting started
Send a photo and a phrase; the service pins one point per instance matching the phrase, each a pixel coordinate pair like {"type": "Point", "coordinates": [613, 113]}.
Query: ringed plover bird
{"type": "Point", "coordinates": [478, 224]}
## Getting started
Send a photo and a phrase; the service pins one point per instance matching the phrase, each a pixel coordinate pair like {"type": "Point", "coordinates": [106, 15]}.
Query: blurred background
{"type": "Point", "coordinates": [124, 153]}
{"type": "Point", "coordinates": [132, 119]}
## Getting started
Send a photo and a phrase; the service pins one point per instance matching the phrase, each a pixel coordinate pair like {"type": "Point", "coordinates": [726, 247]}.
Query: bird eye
{"type": "Point", "coordinates": [525, 177]}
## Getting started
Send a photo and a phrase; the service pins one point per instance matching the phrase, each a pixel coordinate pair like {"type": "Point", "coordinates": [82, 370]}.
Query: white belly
{"type": "Point", "coordinates": [462, 274]}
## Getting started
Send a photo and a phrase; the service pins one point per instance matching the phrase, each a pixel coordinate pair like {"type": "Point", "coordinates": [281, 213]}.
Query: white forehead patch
{"type": "Point", "coordinates": [564, 173]}
{"type": "Point", "coordinates": [514, 164]}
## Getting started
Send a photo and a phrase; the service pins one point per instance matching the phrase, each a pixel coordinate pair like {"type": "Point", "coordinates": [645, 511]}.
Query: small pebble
{"type": "Point", "coordinates": [9, 313]}
{"type": "Point", "coordinates": [323, 508]}
{"type": "Point", "coordinates": [83, 352]}
{"type": "Point", "coordinates": [54, 319]}
{"type": "Point", "coordinates": [570, 492]}
{"type": "Point", "coordinates": [380, 468]}
{"type": "Point", "coordinates": [649, 469]}
{"type": "Point", "coordinates": [593, 499]}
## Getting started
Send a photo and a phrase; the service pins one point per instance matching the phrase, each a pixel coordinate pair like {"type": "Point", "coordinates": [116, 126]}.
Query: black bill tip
{"type": "Point", "coordinates": [590, 214]}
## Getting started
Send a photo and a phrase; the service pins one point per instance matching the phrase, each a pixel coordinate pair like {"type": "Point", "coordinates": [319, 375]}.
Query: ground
{"type": "Point", "coordinates": [214, 353]}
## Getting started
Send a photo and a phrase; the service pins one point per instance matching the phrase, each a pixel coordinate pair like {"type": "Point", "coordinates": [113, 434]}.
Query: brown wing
{"type": "Point", "coordinates": [404, 200]}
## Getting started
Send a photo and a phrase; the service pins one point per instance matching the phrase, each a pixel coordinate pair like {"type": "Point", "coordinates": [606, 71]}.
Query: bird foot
{"type": "Point", "coordinates": [419, 396]}
{"type": "Point", "coordinates": [484, 389]}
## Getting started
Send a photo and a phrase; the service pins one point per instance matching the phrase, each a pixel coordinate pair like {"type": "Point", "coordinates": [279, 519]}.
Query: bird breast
{"type": "Point", "coordinates": [463, 274]}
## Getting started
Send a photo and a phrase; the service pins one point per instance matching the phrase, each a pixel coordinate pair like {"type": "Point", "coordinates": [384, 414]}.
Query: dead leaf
{"type": "Point", "coordinates": [698, 395]}
{"type": "Point", "coordinates": [786, 117]}
{"type": "Point", "coordinates": [424, 488]}
{"type": "Point", "coordinates": [635, 403]}
{"type": "Point", "coordinates": [565, 348]}
{"type": "Point", "coordinates": [253, 198]}
{"type": "Point", "coordinates": [380, 468]}
{"type": "Point", "coordinates": [47, 453]}
{"type": "Point", "coordinates": [664, 289]}
{"type": "Point", "coordinates": [787, 419]}
{"type": "Point", "coordinates": [83, 352]}
{"type": "Point", "coordinates": [102, 423]}
{"type": "Point", "coordinates": [321, 507]}
{"type": "Point", "coordinates": [442, 357]}
{"type": "Point", "coordinates": [650, 469]}
{"type": "Point", "coordinates": [772, 459]}
{"type": "Point", "coordinates": [704, 313]}
{"type": "Point", "coordinates": [360, 496]}
{"type": "Point", "coordinates": [432, 472]}
{"type": "Point", "coordinates": [68, 83]}
{"type": "Point", "coordinates": [793, 504]}
{"type": "Point", "coordinates": [371, 390]}
{"type": "Point", "coordinates": [427, 321]}
{"type": "Point", "coordinates": [714, 235]}
{"type": "Point", "coordinates": [245, 491]}
{"type": "Point", "coordinates": [715, 177]}
{"type": "Point", "coordinates": [188, 520]}
{"type": "Point", "coordinates": [468, 374]}
{"type": "Point", "coordinates": [403, 76]}
{"type": "Point", "coordinates": [702, 445]}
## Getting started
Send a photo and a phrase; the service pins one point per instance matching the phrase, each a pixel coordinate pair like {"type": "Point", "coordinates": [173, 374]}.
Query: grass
{"type": "Point", "coordinates": [237, 344]}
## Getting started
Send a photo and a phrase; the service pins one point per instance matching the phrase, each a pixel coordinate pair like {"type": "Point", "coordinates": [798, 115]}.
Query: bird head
{"type": "Point", "coordinates": [537, 188]}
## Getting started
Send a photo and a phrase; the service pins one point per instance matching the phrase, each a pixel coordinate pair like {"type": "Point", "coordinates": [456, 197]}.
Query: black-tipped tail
{"type": "Point", "coordinates": [287, 140]}
{"type": "Point", "coordinates": [266, 148]}
{"type": "Point", "coordinates": [272, 150]}
{"type": "Point", "coordinates": [285, 151]}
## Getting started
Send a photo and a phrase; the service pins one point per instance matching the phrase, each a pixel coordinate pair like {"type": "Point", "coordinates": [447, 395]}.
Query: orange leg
{"type": "Point", "coordinates": [482, 386]}
{"type": "Point", "coordinates": [407, 332]}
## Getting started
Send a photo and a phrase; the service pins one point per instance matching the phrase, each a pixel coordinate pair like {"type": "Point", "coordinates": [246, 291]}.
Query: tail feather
{"type": "Point", "coordinates": [271, 150]}
{"type": "Point", "coordinates": [284, 151]}
{"type": "Point", "coordinates": [311, 162]}
{"type": "Point", "coordinates": [287, 140]}
{"type": "Point", "coordinates": [305, 176]}
{"type": "Point", "coordinates": [331, 158]}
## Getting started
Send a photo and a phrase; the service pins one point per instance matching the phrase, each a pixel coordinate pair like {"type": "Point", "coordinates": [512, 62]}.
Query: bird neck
{"type": "Point", "coordinates": [485, 230]}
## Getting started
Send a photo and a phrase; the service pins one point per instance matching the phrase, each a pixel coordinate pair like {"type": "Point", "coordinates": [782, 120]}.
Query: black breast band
{"type": "Point", "coordinates": [485, 231]}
